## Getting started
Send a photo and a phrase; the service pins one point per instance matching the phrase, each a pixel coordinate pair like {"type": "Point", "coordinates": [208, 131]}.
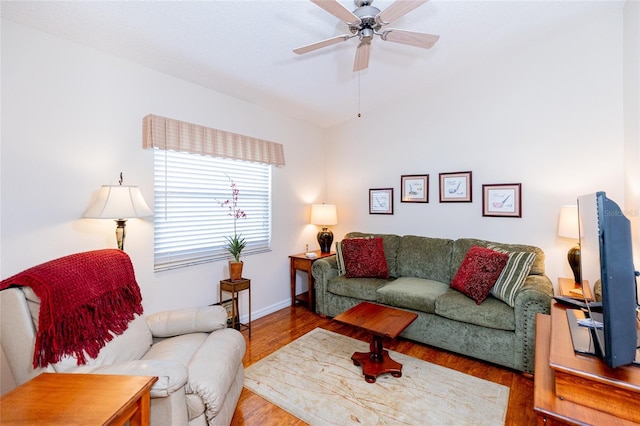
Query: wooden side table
{"type": "Point", "coordinates": [300, 262]}
{"type": "Point", "coordinates": [569, 288]}
{"type": "Point", "coordinates": [79, 399]}
{"type": "Point", "coordinates": [233, 287]}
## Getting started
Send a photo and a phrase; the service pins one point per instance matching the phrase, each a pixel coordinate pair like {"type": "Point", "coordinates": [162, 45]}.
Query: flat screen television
{"type": "Point", "coordinates": [607, 262]}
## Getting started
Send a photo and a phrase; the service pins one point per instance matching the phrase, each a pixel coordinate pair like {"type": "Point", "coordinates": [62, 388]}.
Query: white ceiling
{"type": "Point", "coordinates": [243, 48]}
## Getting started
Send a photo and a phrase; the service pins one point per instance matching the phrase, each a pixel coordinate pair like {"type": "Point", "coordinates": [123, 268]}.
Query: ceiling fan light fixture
{"type": "Point", "coordinates": [366, 35]}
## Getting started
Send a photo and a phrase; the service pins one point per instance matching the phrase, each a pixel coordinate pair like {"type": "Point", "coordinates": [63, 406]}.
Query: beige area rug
{"type": "Point", "coordinates": [314, 379]}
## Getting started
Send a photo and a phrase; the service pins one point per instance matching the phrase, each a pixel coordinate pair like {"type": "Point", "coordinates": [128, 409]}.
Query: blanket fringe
{"type": "Point", "coordinates": [90, 328]}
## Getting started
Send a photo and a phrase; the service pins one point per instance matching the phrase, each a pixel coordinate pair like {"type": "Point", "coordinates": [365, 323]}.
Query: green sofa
{"type": "Point", "coordinates": [420, 270]}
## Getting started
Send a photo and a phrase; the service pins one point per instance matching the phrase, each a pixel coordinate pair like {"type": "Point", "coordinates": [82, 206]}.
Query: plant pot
{"type": "Point", "coordinates": [235, 270]}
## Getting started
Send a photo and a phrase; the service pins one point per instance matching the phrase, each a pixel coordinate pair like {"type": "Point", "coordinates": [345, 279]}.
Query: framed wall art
{"type": "Point", "coordinates": [415, 188]}
{"type": "Point", "coordinates": [381, 201]}
{"type": "Point", "coordinates": [502, 200]}
{"type": "Point", "coordinates": [455, 187]}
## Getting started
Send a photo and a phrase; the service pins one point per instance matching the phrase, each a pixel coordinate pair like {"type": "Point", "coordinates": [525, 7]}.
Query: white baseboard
{"type": "Point", "coordinates": [266, 311]}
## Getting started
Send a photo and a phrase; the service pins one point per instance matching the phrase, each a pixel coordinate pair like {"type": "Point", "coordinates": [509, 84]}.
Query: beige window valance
{"type": "Point", "coordinates": [167, 133]}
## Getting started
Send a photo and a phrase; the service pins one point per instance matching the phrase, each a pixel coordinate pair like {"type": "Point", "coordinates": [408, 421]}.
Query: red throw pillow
{"type": "Point", "coordinates": [364, 258]}
{"type": "Point", "coordinates": [479, 271]}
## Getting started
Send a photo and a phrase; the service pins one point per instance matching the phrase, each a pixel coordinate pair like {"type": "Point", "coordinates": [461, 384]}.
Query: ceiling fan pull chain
{"type": "Point", "coordinates": [359, 73]}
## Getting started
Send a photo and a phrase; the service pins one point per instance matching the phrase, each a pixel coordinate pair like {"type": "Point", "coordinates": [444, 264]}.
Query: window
{"type": "Point", "coordinates": [190, 223]}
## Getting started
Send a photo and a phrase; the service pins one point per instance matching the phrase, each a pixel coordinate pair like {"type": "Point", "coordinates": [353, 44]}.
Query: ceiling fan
{"type": "Point", "coordinates": [365, 22]}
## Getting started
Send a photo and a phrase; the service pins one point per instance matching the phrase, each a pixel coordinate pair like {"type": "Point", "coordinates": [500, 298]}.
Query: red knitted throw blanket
{"type": "Point", "coordinates": [86, 299]}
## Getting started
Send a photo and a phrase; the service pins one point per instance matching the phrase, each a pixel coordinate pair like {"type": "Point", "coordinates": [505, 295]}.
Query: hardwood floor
{"type": "Point", "coordinates": [276, 330]}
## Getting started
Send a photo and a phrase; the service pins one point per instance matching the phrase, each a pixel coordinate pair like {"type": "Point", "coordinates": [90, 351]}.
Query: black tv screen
{"type": "Point", "coordinates": [607, 262]}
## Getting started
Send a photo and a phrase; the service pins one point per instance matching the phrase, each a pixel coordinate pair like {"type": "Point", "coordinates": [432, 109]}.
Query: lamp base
{"type": "Point", "coordinates": [573, 256]}
{"type": "Point", "coordinates": [325, 239]}
{"type": "Point", "coordinates": [120, 232]}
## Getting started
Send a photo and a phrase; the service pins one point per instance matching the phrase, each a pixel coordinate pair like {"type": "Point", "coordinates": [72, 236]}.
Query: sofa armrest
{"type": "Point", "coordinates": [205, 319]}
{"type": "Point", "coordinates": [534, 297]}
{"type": "Point", "coordinates": [323, 270]}
{"type": "Point", "coordinates": [171, 374]}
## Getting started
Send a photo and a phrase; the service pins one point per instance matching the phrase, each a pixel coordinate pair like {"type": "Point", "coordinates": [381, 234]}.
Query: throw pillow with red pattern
{"type": "Point", "coordinates": [364, 258]}
{"type": "Point", "coordinates": [478, 272]}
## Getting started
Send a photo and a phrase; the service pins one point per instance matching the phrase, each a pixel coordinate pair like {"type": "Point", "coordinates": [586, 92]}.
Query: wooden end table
{"type": "Point", "coordinates": [79, 399]}
{"type": "Point", "coordinates": [569, 288]}
{"type": "Point", "coordinates": [300, 262]}
{"type": "Point", "coordinates": [233, 287]}
{"type": "Point", "coordinates": [381, 322]}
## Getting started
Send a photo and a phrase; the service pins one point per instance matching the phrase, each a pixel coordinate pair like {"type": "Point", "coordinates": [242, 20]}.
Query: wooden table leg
{"type": "Point", "coordinates": [292, 272]}
{"type": "Point", "coordinates": [377, 361]}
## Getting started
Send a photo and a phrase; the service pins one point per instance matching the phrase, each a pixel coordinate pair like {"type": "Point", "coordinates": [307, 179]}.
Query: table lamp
{"type": "Point", "coordinates": [568, 228]}
{"type": "Point", "coordinates": [119, 202]}
{"type": "Point", "coordinates": [324, 215]}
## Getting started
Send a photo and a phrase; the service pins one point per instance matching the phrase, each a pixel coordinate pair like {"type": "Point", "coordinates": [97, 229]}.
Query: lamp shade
{"type": "Point", "coordinates": [568, 223]}
{"type": "Point", "coordinates": [323, 214]}
{"type": "Point", "coordinates": [118, 202]}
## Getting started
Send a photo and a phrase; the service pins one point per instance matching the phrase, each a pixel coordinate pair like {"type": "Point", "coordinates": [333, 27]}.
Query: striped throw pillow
{"type": "Point", "coordinates": [340, 258]}
{"type": "Point", "coordinates": [513, 275]}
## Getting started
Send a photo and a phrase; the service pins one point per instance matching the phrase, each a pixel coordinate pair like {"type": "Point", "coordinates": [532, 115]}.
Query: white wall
{"type": "Point", "coordinates": [72, 120]}
{"type": "Point", "coordinates": [548, 115]}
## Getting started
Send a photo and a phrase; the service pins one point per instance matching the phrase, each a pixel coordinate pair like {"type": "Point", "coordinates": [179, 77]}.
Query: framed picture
{"type": "Point", "coordinates": [415, 188]}
{"type": "Point", "coordinates": [381, 201]}
{"type": "Point", "coordinates": [502, 200]}
{"type": "Point", "coordinates": [455, 187]}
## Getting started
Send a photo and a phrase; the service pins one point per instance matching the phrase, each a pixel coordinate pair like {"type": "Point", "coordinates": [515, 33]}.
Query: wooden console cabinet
{"type": "Point", "coordinates": [576, 389]}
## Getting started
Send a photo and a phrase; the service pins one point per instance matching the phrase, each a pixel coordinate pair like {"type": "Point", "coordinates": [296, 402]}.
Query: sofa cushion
{"type": "Point", "coordinates": [172, 375]}
{"type": "Point", "coordinates": [492, 313]}
{"type": "Point", "coordinates": [462, 246]}
{"type": "Point", "coordinates": [479, 271]}
{"type": "Point", "coordinates": [364, 258]}
{"type": "Point", "coordinates": [412, 293]}
{"type": "Point", "coordinates": [389, 243]}
{"type": "Point", "coordinates": [424, 257]}
{"type": "Point", "coordinates": [178, 348]}
{"type": "Point", "coordinates": [200, 319]}
{"type": "Point", "coordinates": [357, 288]}
{"type": "Point", "coordinates": [513, 275]}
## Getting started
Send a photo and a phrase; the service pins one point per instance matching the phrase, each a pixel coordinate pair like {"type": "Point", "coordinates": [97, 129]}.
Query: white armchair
{"type": "Point", "coordinates": [197, 359]}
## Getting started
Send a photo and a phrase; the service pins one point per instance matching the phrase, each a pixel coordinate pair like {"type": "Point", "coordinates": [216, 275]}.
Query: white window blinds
{"type": "Point", "coordinates": [190, 223]}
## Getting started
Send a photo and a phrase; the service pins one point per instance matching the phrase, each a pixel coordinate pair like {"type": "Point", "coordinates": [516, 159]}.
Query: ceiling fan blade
{"type": "Point", "coordinates": [338, 10]}
{"type": "Point", "coordinates": [320, 44]}
{"type": "Point", "coordinates": [362, 57]}
{"type": "Point", "coordinates": [397, 9]}
{"type": "Point", "coordinates": [426, 41]}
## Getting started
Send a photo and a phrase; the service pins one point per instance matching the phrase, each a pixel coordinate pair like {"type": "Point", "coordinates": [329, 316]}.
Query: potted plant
{"type": "Point", "coordinates": [235, 244]}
